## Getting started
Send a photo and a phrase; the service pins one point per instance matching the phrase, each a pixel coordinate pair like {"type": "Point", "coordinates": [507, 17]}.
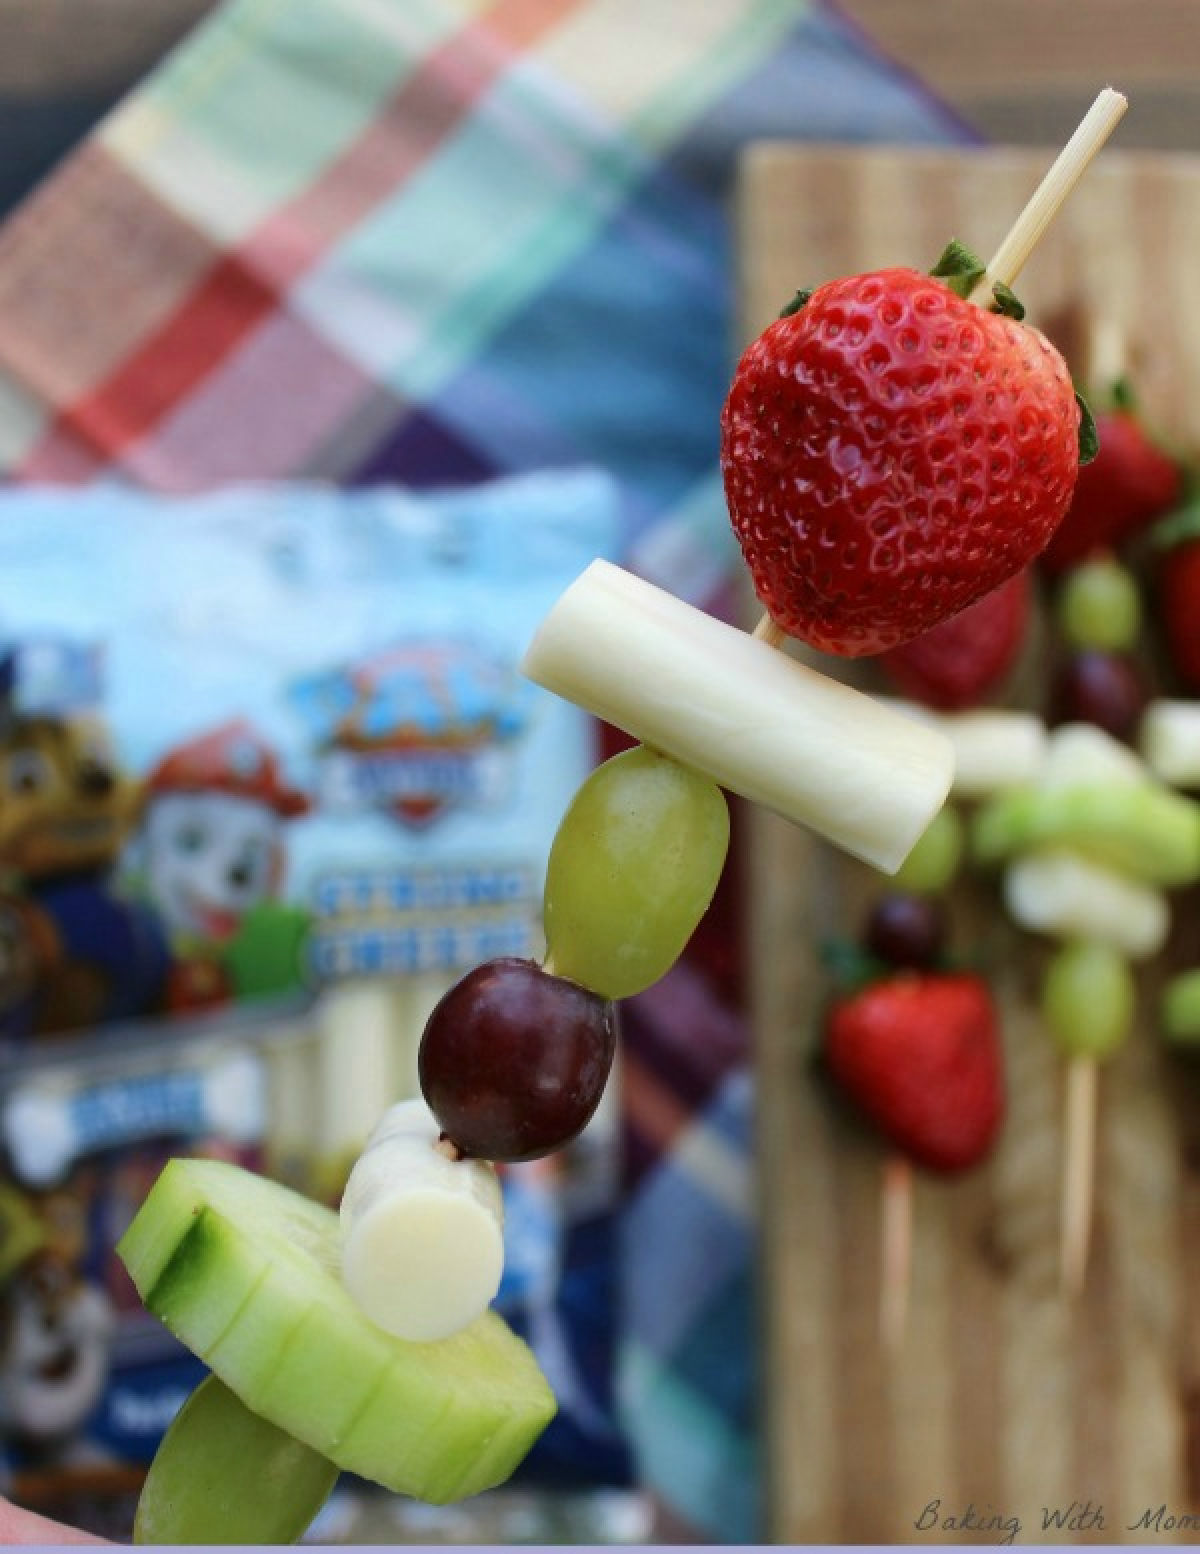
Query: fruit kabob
{"type": "Point", "coordinates": [862, 524]}
{"type": "Point", "coordinates": [1102, 916]}
{"type": "Point", "coordinates": [1097, 894]}
{"type": "Point", "coordinates": [915, 1042]}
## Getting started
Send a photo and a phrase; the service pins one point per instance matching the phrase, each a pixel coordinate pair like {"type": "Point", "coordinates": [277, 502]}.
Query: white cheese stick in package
{"type": "Point", "coordinates": [355, 1064]}
{"type": "Point", "coordinates": [758, 722]}
{"type": "Point", "coordinates": [422, 1233]}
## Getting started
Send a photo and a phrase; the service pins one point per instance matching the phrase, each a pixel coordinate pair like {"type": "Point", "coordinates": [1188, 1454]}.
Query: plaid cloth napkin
{"type": "Point", "coordinates": [435, 241]}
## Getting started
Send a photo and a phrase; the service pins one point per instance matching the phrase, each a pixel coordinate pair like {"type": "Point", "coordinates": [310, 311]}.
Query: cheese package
{"type": "Point", "coordinates": [270, 781]}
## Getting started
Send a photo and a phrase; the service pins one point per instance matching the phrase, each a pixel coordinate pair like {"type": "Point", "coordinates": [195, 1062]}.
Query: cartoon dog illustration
{"type": "Point", "coordinates": [211, 849]}
{"type": "Point", "coordinates": [55, 1336]}
{"type": "Point", "coordinates": [212, 832]}
{"type": "Point", "coordinates": [73, 951]}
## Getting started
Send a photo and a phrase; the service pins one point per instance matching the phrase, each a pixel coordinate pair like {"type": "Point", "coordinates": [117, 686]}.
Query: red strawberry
{"type": "Point", "coordinates": [920, 1054]}
{"type": "Point", "coordinates": [1179, 599]}
{"type": "Point", "coordinates": [1130, 482]}
{"type": "Point", "coordinates": [892, 453]}
{"type": "Point", "coordinates": [957, 663]}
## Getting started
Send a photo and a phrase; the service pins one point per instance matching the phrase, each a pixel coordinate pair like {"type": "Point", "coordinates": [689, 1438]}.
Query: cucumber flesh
{"type": "Point", "coordinates": [246, 1273]}
{"type": "Point", "coordinates": [223, 1475]}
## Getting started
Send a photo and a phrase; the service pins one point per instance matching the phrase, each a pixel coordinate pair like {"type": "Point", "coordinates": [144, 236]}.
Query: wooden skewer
{"type": "Point", "coordinates": [1051, 194]}
{"type": "Point", "coordinates": [770, 632]}
{"type": "Point", "coordinates": [1079, 1151]}
{"type": "Point", "coordinates": [896, 1231]}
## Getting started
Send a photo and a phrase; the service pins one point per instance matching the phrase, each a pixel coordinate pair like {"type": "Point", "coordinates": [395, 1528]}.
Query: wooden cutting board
{"type": "Point", "coordinates": [1006, 1403]}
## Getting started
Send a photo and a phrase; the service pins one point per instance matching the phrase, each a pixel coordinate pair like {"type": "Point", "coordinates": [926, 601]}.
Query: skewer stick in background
{"type": "Point", "coordinates": [1079, 1146]}
{"type": "Point", "coordinates": [896, 1228]}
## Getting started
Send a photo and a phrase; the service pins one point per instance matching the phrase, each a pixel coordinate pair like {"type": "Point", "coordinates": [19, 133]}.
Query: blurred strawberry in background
{"type": "Point", "coordinates": [964, 659]}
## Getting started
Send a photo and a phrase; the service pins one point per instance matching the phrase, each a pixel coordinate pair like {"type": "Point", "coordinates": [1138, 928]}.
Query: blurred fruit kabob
{"type": "Point", "coordinates": [1091, 842]}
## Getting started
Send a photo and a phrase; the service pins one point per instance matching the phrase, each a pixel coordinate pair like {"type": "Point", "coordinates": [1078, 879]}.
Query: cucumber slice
{"type": "Point", "coordinates": [246, 1273]}
{"type": "Point", "coordinates": [1141, 829]}
{"type": "Point", "coordinates": [223, 1475]}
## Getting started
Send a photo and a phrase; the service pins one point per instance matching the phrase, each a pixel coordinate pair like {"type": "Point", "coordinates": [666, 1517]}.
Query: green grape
{"type": "Point", "coordinates": [1179, 1010]}
{"type": "Point", "coordinates": [1088, 999]}
{"type": "Point", "coordinates": [934, 861]}
{"type": "Point", "coordinates": [632, 868]}
{"type": "Point", "coordinates": [223, 1475]}
{"type": "Point", "coordinates": [1100, 607]}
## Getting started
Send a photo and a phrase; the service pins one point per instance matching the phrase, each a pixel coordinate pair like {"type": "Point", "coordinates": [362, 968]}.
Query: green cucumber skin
{"type": "Point", "coordinates": [179, 1286]}
{"type": "Point", "coordinates": [223, 1475]}
{"type": "Point", "coordinates": [269, 1315]}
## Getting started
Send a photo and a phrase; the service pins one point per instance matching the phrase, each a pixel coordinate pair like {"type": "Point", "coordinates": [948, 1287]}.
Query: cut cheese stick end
{"type": "Point", "coordinates": [757, 722]}
{"type": "Point", "coordinates": [422, 1233]}
{"type": "Point", "coordinates": [1169, 741]}
{"type": "Point", "coordinates": [994, 748]}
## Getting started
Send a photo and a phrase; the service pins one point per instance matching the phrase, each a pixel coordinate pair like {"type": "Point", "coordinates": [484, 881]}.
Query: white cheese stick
{"type": "Point", "coordinates": [1169, 740]}
{"type": "Point", "coordinates": [1081, 755]}
{"type": "Point", "coordinates": [759, 723]}
{"type": "Point", "coordinates": [994, 748]}
{"type": "Point", "coordinates": [1060, 892]}
{"type": "Point", "coordinates": [422, 1234]}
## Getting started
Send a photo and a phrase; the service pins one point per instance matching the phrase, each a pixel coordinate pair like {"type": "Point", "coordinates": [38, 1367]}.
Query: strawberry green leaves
{"type": "Point", "coordinates": [962, 270]}
{"type": "Point", "coordinates": [797, 302]}
{"type": "Point", "coordinates": [1089, 437]}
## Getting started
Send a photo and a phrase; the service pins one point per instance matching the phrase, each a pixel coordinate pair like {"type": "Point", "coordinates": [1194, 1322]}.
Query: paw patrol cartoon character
{"type": "Point", "coordinates": [73, 951]}
{"type": "Point", "coordinates": [212, 848]}
{"type": "Point", "coordinates": [56, 1330]}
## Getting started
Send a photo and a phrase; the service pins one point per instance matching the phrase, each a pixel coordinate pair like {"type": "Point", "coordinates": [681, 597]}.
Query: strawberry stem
{"type": "Point", "coordinates": [849, 966]}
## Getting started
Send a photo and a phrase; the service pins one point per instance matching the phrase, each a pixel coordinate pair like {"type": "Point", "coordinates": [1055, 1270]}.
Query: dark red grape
{"type": "Point", "coordinates": [1101, 688]}
{"type": "Point", "coordinates": [906, 930]}
{"type": "Point", "coordinates": [514, 1060]}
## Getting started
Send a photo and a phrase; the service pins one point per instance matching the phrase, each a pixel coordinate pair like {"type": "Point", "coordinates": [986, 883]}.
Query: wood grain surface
{"type": "Point", "coordinates": [1023, 71]}
{"type": "Point", "coordinates": [1004, 1402]}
